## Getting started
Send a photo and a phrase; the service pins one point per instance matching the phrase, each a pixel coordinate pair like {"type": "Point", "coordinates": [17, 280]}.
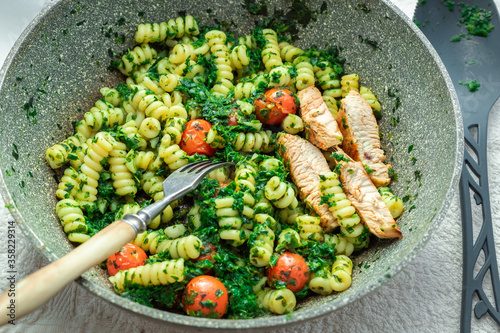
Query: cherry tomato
{"type": "Point", "coordinates": [221, 185]}
{"type": "Point", "coordinates": [129, 256]}
{"type": "Point", "coordinates": [278, 103]}
{"type": "Point", "coordinates": [205, 296]}
{"type": "Point", "coordinates": [193, 138]}
{"type": "Point", "coordinates": [232, 120]}
{"type": "Point", "coordinates": [292, 269]}
{"type": "Point", "coordinates": [208, 254]}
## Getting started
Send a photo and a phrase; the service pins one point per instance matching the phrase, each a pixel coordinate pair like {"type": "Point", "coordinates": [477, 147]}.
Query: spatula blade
{"type": "Point", "coordinates": [472, 58]}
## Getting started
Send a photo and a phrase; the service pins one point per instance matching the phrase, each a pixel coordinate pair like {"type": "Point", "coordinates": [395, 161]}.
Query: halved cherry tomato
{"type": "Point", "coordinates": [278, 103]}
{"type": "Point", "coordinates": [292, 269]}
{"type": "Point", "coordinates": [205, 296]}
{"type": "Point", "coordinates": [129, 256]}
{"type": "Point", "coordinates": [193, 138]}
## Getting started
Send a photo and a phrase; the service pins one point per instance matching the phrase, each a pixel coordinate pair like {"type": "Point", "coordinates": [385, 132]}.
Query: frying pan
{"type": "Point", "coordinates": [65, 53]}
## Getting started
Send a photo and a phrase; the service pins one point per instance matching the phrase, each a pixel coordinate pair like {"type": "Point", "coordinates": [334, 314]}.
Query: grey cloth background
{"type": "Point", "coordinates": [424, 297]}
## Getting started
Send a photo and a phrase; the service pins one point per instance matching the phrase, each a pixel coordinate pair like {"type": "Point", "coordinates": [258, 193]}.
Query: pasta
{"type": "Point", "coordinates": [289, 52]}
{"type": "Point", "coordinates": [271, 52]}
{"type": "Point", "coordinates": [140, 55]}
{"type": "Point", "coordinates": [246, 142]}
{"type": "Point", "coordinates": [239, 57]}
{"type": "Point", "coordinates": [57, 155]}
{"type": "Point", "coordinates": [320, 282]}
{"type": "Point", "coordinates": [370, 98]}
{"type": "Point", "coordinates": [149, 104]}
{"type": "Point", "coordinates": [156, 274]}
{"type": "Point", "coordinates": [171, 153]}
{"type": "Point", "coordinates": [348, 83]}
{"type": "Point", "coordinates": [340, 243]}
{"type": "Point", "coordinates": [277, 301]}
{"type": "Point", "coordinates": [217, 41]}
{"type": "Point", "coordinates": [288, 239]}
{"type": "Point", "coordinates": [111, 96]}
{"type": "Point", "coordinates": [289, 215]}
{"type": "Point", "coordinates": [263, 245]}
{"type": "Point", "coordinates": [68, 185]}
{"type": "Point", "coordinates": [123, 180]}
{"type": "Point", "coordinates": [341, 273]}
{"type": "Point", "coordinates": [309, 227]}
{"type": "Point", "coordinates": [73, 220]}
{"type": "Point", "coordinates": [88, 176]}
{"type": "Point", "coordinates": [392, 202]}
{"type": "Point", "coordinates": [281, 194]}
{"type": "Point", "coordinates": [230, 222]}
{"type": "Point", "coordinates": [339, 205]}
{"type": "Point", "coordinates": [293, 124]}
{"type": "Point", "coordinates": [194, 93]}
{"type": "Point", "coordinates": [159, 32]}
{"type": "Point", "coordinates": [305, 72]}
{"type": "Point", "coordinates": [181, 247]}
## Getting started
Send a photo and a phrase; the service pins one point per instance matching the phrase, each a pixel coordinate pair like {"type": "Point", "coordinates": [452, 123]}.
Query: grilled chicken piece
{"type": "Point", "coordinates": [368, 203]}
{"type": "Point", "coordinates": [321, 128]}
{"type": "Point", "coordinates": [361, 138]}
{"type": "Point", "coordinates": [306, 164]}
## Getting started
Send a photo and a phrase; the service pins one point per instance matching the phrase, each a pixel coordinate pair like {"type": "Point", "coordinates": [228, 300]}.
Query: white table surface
{"type": "Point", "coordinates": [424, 297]}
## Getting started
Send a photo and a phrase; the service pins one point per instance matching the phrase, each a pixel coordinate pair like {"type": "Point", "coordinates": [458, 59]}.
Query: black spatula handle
{"type": "Point", "coordinates": [474, 190]}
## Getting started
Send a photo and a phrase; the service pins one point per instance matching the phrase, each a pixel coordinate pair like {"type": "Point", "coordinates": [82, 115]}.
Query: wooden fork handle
{"type": "Point", "coordinates": [39, 287]}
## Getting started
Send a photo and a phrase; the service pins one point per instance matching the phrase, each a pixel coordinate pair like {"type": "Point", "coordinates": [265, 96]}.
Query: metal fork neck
{"type": "Point", "coordinates": [145, 216]}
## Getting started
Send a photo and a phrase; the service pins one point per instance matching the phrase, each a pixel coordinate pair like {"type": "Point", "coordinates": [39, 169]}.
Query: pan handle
{"type": "Point", "coordinates": [39, 287]}
{"type": "Point", "coordinates": [474, 184]}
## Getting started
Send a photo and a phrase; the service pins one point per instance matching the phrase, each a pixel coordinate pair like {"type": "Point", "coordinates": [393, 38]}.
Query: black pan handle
{"type": "Point", "coordinates": [474, 184]}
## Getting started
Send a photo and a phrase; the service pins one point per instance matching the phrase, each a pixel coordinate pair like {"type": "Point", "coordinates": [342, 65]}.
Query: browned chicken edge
{"type": "Point", "coordinates": [361, 138]}
{"type": "Point", "coordinates": [306, 164]}
{"type": "Point", "coordinates": [320, 125]}
{"type": "Point", "coordinates": [367, 201]}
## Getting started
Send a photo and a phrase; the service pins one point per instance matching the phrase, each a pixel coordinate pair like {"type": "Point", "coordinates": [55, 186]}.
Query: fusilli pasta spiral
{"type": "Point", "coordinates": [68, 185]}
{"type": "Point", "coordinates": [72, 219]}
{"type": "Point", "coordinates": [89, 170]}
{"type": "Point", "coordinates": [220, 53]}
{"type": "Point", "coordinates": [140, 55]}
{"type": "Point", "coordinates": [280, 193]}
{"type": "Point", "coordinates": [271, 52]}
{"type": "Point", "coordinates": [159, 273]}
{"type": "Point", "coordinates": [262, 247]}
{"type": "Point", "coordinates": [279, 301]}
{"type": "Point", "coordinates": [341, 273]}
{"type": "Point", "coordinates": [310, 228]}
{"type": "Point", "coordinates": [123, 181]}
{"type": "Point", "coordinates": [392, 202]}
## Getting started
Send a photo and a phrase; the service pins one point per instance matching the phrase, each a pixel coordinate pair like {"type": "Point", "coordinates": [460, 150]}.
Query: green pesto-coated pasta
{"type": "Point", "coordinates": [159, 273]}
{"type": "Point", "coordinates": [241, 218]}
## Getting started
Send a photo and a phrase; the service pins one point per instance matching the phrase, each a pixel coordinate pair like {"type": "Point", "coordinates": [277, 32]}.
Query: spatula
{"type": "Point", "coordinates": [471, 58]}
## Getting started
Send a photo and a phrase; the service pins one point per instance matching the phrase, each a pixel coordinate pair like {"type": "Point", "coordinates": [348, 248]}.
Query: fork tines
{"type": "Point", "coordinates": [202, 166]}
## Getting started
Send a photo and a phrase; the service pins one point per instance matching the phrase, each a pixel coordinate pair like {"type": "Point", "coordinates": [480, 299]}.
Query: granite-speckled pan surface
{"type": "Point", "coordinates": [55, 71]}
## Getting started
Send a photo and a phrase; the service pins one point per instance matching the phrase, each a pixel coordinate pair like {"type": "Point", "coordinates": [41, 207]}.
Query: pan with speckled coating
{"type": "Point", "coordinates": [58, 65]}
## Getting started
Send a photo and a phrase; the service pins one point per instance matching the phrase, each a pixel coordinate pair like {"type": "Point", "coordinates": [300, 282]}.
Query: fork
{"type": "Point", "coordinates": [39, 287]}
